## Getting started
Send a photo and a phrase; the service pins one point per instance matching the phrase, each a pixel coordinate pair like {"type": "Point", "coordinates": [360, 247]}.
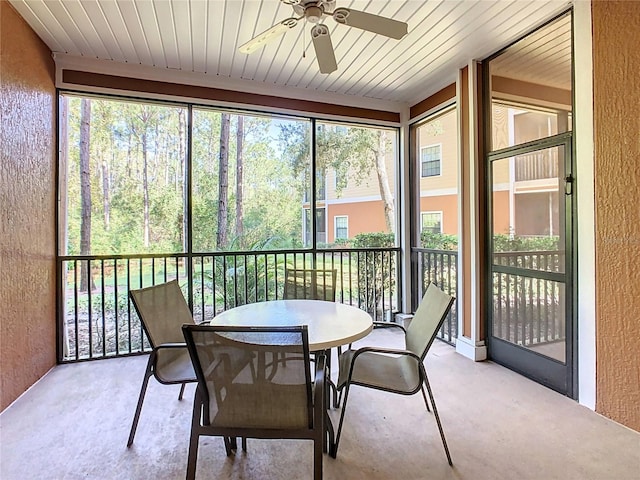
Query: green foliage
{"type": "Point", "coordinates": [341, 243]}
{"type": "Point", "coordinates": [375, 269]}
{"type": "Point", "coordinates": [239, 280]}
{"type": "Point", "coordinates": [501, 242]}
{"type": "Point", "coordinates": [130, 141]}
{"type": "Point", "coordinates": [508, 243]}
{"type": "Point", "coordinates": [375, 239]}
{"type": "Point", "coordinates": [438, 241]}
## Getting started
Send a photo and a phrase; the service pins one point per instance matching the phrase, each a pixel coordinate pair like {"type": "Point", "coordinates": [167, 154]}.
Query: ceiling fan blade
{"type": "Point", "coordinates": [268, 35]}
{"type": "Point", "coordinates": [371, 23]}
{"type": "Point", "coordinates": [324, 49]}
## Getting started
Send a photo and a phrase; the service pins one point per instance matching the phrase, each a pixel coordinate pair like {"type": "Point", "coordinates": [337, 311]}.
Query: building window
{"type": "Point", "coordinates": [340, 181]}
{"type": "Point", "coordinates": [431, 158]}
{"type": "Point", "coordinates": [431, 222]}
{"type": "Point", "coordinates": [342, 227]}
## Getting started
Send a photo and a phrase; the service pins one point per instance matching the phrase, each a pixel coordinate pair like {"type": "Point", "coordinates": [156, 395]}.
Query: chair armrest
{"type": "Point", "coordinates": [319, 396]}
{"type": "Point", "coordinates": [388, 325]}
{"type": "Point", "coordinates": [171, 345]}
{"type": "Point", "coordinates": [391, 351]}
{"type": "Point", "coordinates": [320, 378]}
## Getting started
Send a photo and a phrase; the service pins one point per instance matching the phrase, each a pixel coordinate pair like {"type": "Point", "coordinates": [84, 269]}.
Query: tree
{"type": "Point", "coordinates": [181, 166]}
{"type": "Point", "coordinates": [86, 281]}
{"type": "Point", "coordinates": [383, 181]}
{"type": "Point", "coordinates": [239, 166]}
{"type": "Point", "coordinates": [223, 182]}
{"type": "Point", "coordinates": [145, 118]}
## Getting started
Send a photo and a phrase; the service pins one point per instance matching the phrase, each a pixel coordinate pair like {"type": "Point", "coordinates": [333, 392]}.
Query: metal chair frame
{"type": "Point", "coordinates": [151, 369]}
{"type": "Point", "coordinates": [423, 378]}
{"type": "Point", "coordinates": [201, 421]}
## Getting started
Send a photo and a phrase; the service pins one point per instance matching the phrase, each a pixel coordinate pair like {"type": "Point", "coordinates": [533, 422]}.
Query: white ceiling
{"type": "Point", "coordinates": [203, 37]}
{"type": "Point", "coordinates": [543, 57]}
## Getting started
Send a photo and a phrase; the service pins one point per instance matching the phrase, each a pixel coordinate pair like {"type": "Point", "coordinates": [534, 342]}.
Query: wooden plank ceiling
{"type": "Point", "coordinates": [203, 37]}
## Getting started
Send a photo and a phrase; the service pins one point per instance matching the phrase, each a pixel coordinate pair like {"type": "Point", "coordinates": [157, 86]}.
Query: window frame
{"type": "Point", "coordinates": [432, 212]}
{"type": "Point", "coordinates": [422, 162]}
{"type": "Point", "coordinates": [335, 227]}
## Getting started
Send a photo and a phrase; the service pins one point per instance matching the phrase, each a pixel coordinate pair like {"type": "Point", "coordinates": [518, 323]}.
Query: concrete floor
{"type": "Point", "coordinates": [74, 424]}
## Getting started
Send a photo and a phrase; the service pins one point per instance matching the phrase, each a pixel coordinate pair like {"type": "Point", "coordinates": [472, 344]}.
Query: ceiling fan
{"type": "Point", "coordinates": [313, 11]}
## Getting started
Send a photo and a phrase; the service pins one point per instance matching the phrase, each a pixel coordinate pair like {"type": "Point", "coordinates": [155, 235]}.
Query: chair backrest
{"type": "Point", "coordinates": [310, 284]}
{"type": "Point", "coordinates": [162, 310]}
{"type": "Point", "coordinates": [252, 377]}
{"type": "Point", "coordinates": [427, 320]}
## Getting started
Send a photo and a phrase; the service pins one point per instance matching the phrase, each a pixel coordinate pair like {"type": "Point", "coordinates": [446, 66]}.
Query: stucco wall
{"type": "Point", "coordinates": [448, 205]}
{"type": "Point", "coordinates": [27, 201]}
{"type": "Point", "coordinates": [616, 84]}
{"type": "Point", "coordinates": [362, 217]}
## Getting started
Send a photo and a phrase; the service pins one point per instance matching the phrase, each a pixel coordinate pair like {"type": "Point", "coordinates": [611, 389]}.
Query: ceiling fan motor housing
{"type": "Point", "coordinates": [313, 13]}
{"type": "Point", "coordinates": [312, 10]}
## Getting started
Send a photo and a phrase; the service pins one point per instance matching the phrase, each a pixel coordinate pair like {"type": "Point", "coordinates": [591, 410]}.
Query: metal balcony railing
{"type": "Point", "coordinates": [100, 321]}
{"type": "Point", "coordinates": [528, 310]}
{"type": "Point", "coordinates": [441, 267]}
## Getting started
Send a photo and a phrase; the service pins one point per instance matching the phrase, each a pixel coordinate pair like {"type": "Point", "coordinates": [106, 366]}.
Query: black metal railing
{"type": "Point", "coordinates": [528, 307]}
{"type": "Point", "coordinates": [97, 320]}
{"type": "Point", "coordinates": [441, 267]}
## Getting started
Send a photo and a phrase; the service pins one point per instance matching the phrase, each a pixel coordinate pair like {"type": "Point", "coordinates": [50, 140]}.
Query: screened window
{"type": "Point", "coordinates": [431, 159]}
{"type": "Point", "coordinates": [251, 177]}
{"type": "Point", "coordinates": [125, 178]}
{"type": "Point", "coordinates": [122, 176]}
{"type": "Point", "coordinates": [360, 166]}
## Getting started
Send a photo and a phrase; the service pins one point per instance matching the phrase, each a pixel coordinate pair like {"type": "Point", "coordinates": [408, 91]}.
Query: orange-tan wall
{"type": "Point", "coordinates": [616, 85]}
{"type": "Point", "coordinates": [364, 217]}
{"type": "Point", "coordinates": [501, 212]}
{"type": "Point", "coordinates": [27, 202]}
{"type": "Point", "coordinates": [448, 205]}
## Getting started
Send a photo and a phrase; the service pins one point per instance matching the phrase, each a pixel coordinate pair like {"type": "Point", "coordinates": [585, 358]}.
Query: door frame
{"type": "Point", "coordinates": [545, 370]}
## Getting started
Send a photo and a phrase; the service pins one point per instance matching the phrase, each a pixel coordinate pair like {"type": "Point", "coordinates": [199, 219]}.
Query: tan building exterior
{"type": "Point", "coordinates": [354, 204]}
{"type": "Point", "coordinates": [437, 139]}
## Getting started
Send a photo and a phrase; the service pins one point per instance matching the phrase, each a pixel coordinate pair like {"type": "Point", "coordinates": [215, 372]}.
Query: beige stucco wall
{"type": "Point", "coordinates": [27, 201]}
{"type": "Point", "coordinates": [616, 85]}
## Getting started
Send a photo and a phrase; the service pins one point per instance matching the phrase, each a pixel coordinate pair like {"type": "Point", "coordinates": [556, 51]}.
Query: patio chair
{"type": "Point", "coordinates": [398, 371]}
{"type": "Point", "coordinates": [313, 284]}
{"type": "Point", "coordinates": [163, 310]}
{"type": "Point", "coordinates": [238, 394]}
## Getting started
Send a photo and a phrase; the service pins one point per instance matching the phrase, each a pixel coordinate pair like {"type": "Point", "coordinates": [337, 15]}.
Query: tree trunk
{"type": "Point", "coordinates": [239, 159]}
{"type": "Point", "coordinates": [223, 179]}
{"type": "Point", "coordinates": [181, 168]}
{"type": "Point", "coordinates": [86, 281]}
{"type": "Point", "coordinates": [383, 181]}
{"type": "Point", "coordinates": [106, 198]}
{"type": "Point", "coordinates": [145, 187]}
